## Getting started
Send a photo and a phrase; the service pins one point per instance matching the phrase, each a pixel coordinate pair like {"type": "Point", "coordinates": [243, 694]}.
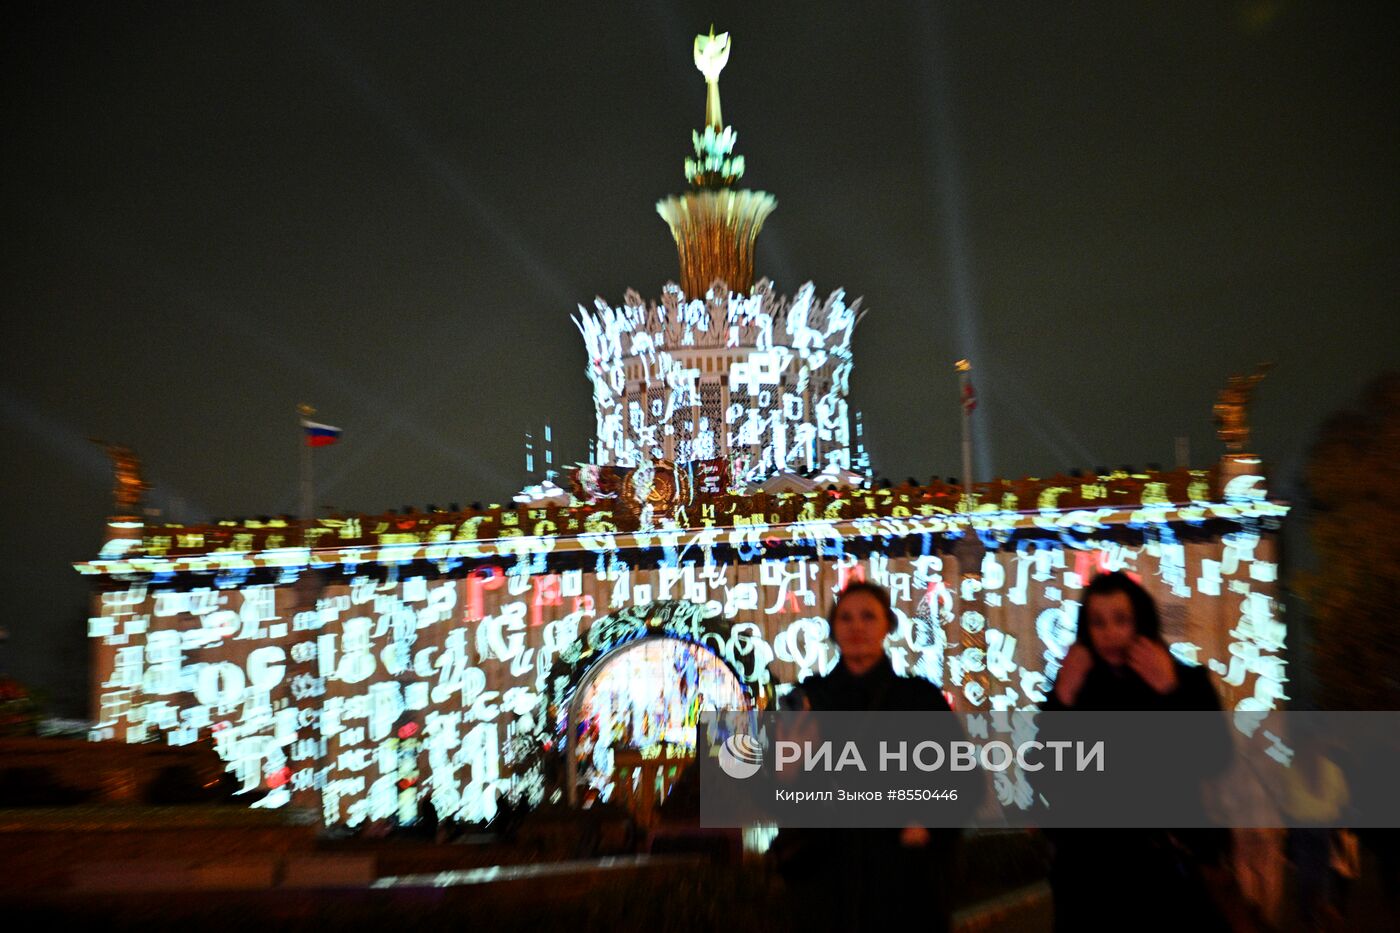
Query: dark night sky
{"type": "Point", "coordinates": [391, 210]}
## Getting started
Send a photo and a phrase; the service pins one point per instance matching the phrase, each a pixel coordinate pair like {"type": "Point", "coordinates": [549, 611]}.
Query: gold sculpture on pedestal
{"type": "Point", "coordinates": [715, 226]}
{"type": "Point", "coordinates": [1232, 409]}
{"type": "Point", "coordinates": [128, 486]}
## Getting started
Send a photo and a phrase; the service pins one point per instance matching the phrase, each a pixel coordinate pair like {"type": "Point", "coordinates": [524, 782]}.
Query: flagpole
{"type": "Point", "coordinates": [307, 481]}
{"type": "Point", "coordinates": [964, 369]}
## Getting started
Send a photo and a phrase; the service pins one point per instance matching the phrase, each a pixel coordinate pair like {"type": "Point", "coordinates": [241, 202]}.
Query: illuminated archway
{"type": "Point", "coordinates": [643, 678]}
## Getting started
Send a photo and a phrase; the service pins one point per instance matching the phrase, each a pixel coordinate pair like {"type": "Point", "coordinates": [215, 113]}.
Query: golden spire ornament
{"type": "Point", "coordinates": [711, 55]}
{"type": "Point", "coordinates": [715, 226]}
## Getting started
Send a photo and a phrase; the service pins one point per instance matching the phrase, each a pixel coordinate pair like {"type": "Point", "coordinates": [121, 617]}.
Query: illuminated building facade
{"type": "Point", "coordinates": [358, 664]}
{"type": "Point", "coordinates": [758, 380]}
{"type": "Point", "coordinates": [722, 368]}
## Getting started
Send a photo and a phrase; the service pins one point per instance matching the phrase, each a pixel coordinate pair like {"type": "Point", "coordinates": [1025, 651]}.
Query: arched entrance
{"type": "Point", "coordinates": [632, 720]}
{"type": "Point", "coordinates": [629, 709]}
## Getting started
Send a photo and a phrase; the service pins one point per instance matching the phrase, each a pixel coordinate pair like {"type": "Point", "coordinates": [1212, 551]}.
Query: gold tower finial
{"type": "Point", "coordinates": [711, 55]}
{"type": "Point", "coordinates": [715, 164]}
{"type": "Point", "coordinates": [713, 224]}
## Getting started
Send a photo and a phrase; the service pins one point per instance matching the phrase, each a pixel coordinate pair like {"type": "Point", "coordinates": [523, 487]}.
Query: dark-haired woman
{"type": "Point", "coordinates": [1133, 879]}
{"type": "Point", "coordinates": [866, 879]}
{"type": "Point", "coordinates": [1119, 660]}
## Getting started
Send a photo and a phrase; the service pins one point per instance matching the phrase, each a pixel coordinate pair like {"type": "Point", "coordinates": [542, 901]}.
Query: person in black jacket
{"type": "Point", "coordinates": [1133, 878]}
{"type": "Point", "coordinates": [1119, 660]}
{"type": "Point", "coordinates": [866, 879]}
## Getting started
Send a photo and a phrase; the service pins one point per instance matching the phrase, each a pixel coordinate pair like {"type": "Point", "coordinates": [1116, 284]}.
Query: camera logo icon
{"type": "Point", "coordinates": [741, 756]}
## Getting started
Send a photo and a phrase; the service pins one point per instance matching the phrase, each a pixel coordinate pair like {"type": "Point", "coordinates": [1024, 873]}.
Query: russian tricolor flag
{"type": "Point", "coordinates": [319, 435]}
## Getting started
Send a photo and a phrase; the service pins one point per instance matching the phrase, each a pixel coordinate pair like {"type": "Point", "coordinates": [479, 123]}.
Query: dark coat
{"type": "Point", "coordinates": [879, 688]}
{"type": "Point", "coordinates": [1146, 879]}
{"type": "Point", "coordinates": [1105, 688]}
{"type": "Point", "coordinates": [852, 879]}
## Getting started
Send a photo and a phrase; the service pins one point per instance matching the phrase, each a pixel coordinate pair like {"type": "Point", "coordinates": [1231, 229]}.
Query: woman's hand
{"type": "Point", "coordinates": [913, 837]}
{"type": "Point", "coordinates": [1151, 661]}
{"type": "Point", "coordinates": [1072, 674]}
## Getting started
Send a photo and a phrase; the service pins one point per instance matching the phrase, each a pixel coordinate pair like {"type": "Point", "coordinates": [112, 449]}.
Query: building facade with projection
{"type": "Point", "coordinates": [360, 664]}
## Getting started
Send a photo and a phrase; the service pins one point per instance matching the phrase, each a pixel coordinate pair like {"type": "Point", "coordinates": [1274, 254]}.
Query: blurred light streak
{"type": "Point", "coordinates": [448, 172]}
{"type": "Point", "coordinates": [376, 412]}
{"type": "Point", "coordinates": [85, 457]}
{"type": "Point", "coordinates": [942, 151]}
{"type": "Point", "coordinates": [1043, 423]}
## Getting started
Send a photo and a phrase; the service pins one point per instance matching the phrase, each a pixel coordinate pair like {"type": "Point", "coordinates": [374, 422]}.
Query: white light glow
{"type": "Point", "coordinates": [305, 689]}
{"type": "Point", "coordinates": [756, 379]}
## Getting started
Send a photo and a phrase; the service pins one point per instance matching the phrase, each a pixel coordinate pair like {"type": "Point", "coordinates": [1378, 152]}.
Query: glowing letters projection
{"type": "Point", "coordinates": [362, 664]}
{"type": "Point", "coordinates": [328, 675]}
{"type": "Point", "coordinates": [757, 379]}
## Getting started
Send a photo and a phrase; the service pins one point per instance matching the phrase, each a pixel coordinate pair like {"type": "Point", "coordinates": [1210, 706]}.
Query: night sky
{"type": "Point", "coordinates": [390, 210]}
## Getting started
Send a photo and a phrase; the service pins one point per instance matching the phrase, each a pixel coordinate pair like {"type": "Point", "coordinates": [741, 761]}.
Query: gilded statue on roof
{"type": "Point", "coordinates": [128, 486]}
{"type": "Point", "coordinates": [1232, 408]}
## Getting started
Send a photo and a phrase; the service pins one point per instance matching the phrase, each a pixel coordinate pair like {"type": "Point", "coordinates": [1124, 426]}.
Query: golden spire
{"type": "Point", "coordinates": [715, 226]}
{"type": "Point", "coordinates": [711, 55]}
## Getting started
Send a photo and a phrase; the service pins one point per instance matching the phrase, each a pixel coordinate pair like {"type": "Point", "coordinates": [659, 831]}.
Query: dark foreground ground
{"type": "Point", "coordinates": [168, 869]}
